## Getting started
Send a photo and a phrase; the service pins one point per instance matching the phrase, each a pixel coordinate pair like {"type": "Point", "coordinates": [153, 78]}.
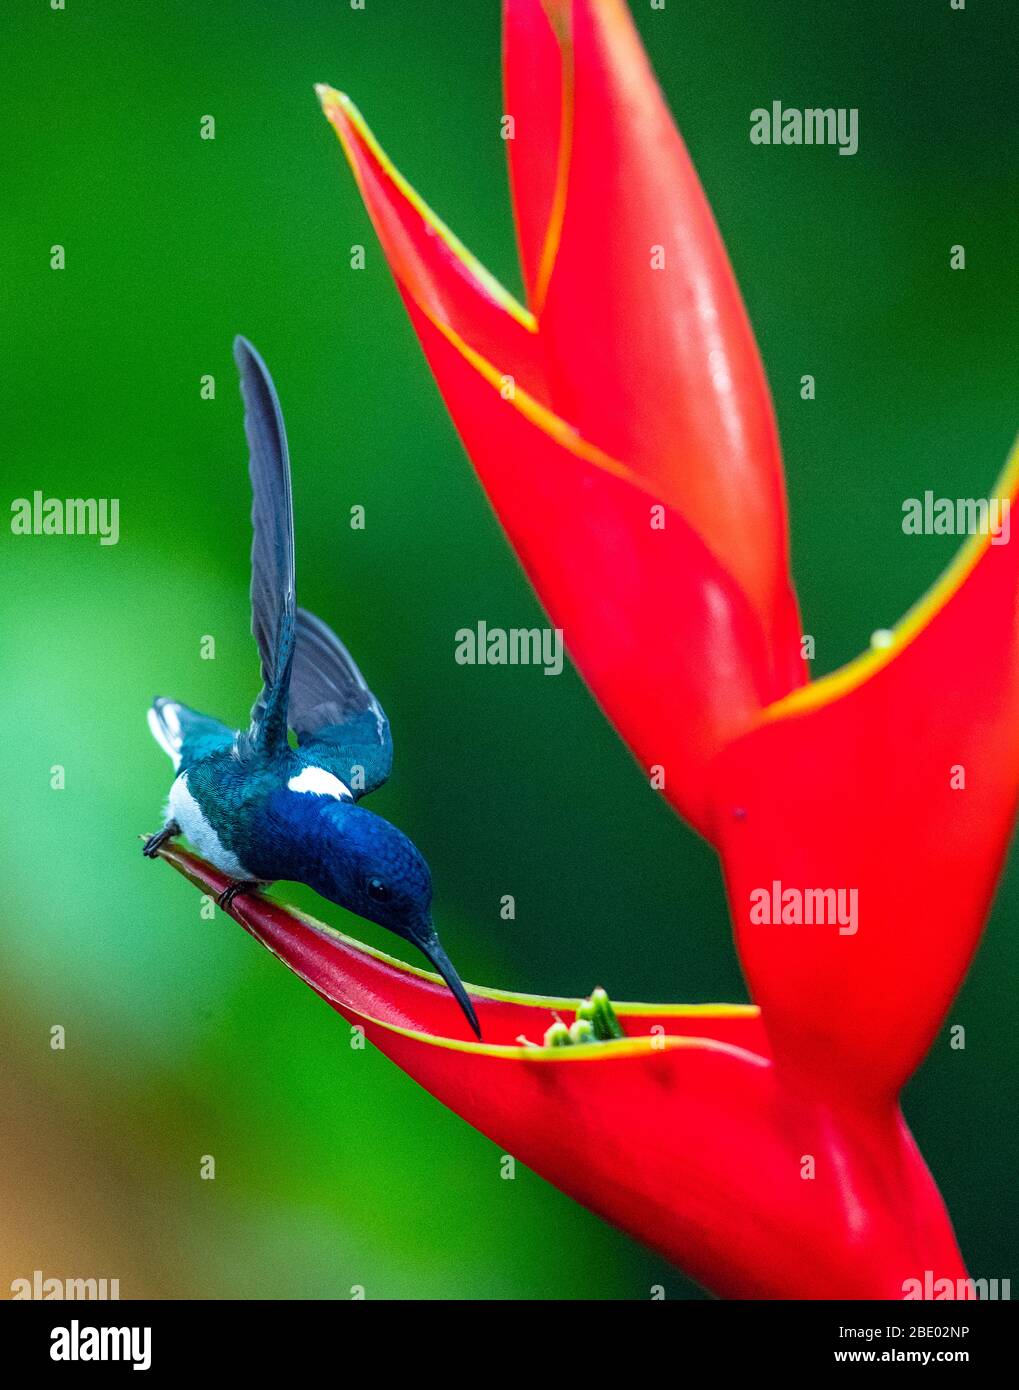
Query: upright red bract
{"type": "Point", "coordinates": [621, 422]}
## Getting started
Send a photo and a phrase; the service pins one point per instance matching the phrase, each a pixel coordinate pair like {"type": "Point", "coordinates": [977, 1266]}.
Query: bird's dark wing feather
{"type": "Point", "coordinates": [339, 723]}
{"type": "Point", "coordinates": [310, 682]}
{"type": "Point", "coordinates": [272, 548]}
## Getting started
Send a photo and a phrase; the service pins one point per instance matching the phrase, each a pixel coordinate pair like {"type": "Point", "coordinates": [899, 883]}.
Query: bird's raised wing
{"type": "Point", "coordinates": [310, 682]}
{"type": "Point", "coordinates": [273, 603]}
{"type": "Point", "coordinates": [340, 725]}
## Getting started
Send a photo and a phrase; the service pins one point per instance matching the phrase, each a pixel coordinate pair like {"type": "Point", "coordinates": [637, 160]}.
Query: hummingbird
{"type": "Point", "coordinates": [261, 809]}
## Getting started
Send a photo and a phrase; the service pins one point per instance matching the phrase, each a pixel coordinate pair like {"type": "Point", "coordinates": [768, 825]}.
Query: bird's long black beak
{"type": "Point", "coordinates": [431, 947]}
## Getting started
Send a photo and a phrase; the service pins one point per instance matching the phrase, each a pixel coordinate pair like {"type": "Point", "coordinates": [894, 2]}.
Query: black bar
{"type": "Point", "coordinates": [336, 1339]}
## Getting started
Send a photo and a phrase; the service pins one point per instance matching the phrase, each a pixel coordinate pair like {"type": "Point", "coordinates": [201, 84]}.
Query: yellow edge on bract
{"type": "Point", "coordinates": [546, 420]}
{"type": "Point", "coordinates": [561, 431]}
{"type": "Point", "coordinates": [557, 429]}
{"type": "Point", "coordinates": [578, 1052]}
{"type": "Point", "coordinates": [333, 100]}
{"type": "Point", "coordinates": [557, 212]}
{"type": "Point", "coordinates": [862, 668]}
{"type": "Point", "coordinates": [551, 1001]}
{"type": "Point", "coordinates": [540, 1001]}
{"type": "Point", "coordinates": [551, 424]}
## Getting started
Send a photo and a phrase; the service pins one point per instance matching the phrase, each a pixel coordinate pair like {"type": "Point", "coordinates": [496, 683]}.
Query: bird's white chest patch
{"type": "Point", "coordinates": [318, 782]}
{"type": "Point", "coordinates": [185, 810]}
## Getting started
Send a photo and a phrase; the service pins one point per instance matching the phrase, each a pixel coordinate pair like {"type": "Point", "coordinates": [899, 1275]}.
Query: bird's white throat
{"type": "Point", "coordinates": [185, 810]}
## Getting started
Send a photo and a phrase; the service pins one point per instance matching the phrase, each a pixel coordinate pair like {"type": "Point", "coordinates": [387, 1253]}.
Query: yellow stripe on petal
{"type": "Point", "coordinates": [560, 23]}
{"type": "Point", "coordinates": [546, 420]}
{"type": "Point", "coordinates": [340, 109]}
{"type": "Point", "coordinates": [868, 663]}
{"type": "Point", "coordinates": [587, 1052]}
{"type": "Point", "coordinates": [334, 102]}
{"type": "Point", "coordinates": [624, 1047]}
{"type": "Point", "coordinates": [561, 431]}
{"type": "Point", "coordinates": [538, 1001]}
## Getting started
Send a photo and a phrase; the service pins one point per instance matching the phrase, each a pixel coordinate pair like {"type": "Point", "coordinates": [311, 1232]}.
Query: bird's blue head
{"type": "Point", "coordinates": [368, 866]}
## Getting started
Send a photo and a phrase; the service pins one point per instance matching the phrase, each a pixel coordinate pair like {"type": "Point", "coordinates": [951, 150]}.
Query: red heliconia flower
{"type": "Point", "coordinates": [622, 428]}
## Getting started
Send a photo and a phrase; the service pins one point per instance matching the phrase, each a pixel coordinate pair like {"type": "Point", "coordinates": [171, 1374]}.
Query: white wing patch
{"type": "Point", "coordinates": [317, 782]}
{"type": "Point", "coordinates": [166, 732]}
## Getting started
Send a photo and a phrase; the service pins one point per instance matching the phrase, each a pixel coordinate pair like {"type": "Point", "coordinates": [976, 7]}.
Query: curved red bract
{"type": "Point", "coordinates": [896, 779]}
{"type": "Point", "coordinates": [685, 1133]}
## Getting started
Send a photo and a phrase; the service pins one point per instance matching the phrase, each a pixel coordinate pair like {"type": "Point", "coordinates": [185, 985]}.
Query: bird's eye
{"type": "Point", "coordinates": [377, 890]}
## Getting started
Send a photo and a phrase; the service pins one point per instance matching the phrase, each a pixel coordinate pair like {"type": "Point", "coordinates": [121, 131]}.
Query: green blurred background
{"type": "Point", "coordinates": [183, 1037]}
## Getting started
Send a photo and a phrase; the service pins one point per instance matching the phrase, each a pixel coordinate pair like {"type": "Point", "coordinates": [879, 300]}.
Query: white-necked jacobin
{"type": "Point", "coordinates": [260, 809]}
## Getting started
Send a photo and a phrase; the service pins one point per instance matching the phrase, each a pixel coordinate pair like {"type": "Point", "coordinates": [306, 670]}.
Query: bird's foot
{"type": "Point", "coordinates": [242, 885]}
{"type": "Point", "coordinates": [155, 842]}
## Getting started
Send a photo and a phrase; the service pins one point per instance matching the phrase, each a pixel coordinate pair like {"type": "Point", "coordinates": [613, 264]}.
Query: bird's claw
{"type": "Point", "coordinates": [155, 842]}
{"type": "Point", "coordinates": [243, 885]}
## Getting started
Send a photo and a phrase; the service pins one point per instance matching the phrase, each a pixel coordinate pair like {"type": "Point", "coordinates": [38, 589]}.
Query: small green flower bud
{"type": "Point", "coordinates": [582, 1031]}
{"type": "Point", "coordinates": [599, 1012]}
{"type": "Point", "coordinates": [558, 1035]}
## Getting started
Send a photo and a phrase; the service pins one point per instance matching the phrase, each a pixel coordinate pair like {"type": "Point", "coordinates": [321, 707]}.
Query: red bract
{"type": "Point", "coordinates": [621, 426]}
{"type": "Point", "coordinates": [683, 1133]}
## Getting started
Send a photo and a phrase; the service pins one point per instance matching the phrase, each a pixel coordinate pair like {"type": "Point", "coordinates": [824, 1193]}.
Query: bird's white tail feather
{"type": "Point", "coordinates": [166, 729]}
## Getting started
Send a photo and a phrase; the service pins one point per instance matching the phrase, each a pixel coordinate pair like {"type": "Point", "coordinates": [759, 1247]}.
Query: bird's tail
{"type": "Point", "coordinates": [182, 732]}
